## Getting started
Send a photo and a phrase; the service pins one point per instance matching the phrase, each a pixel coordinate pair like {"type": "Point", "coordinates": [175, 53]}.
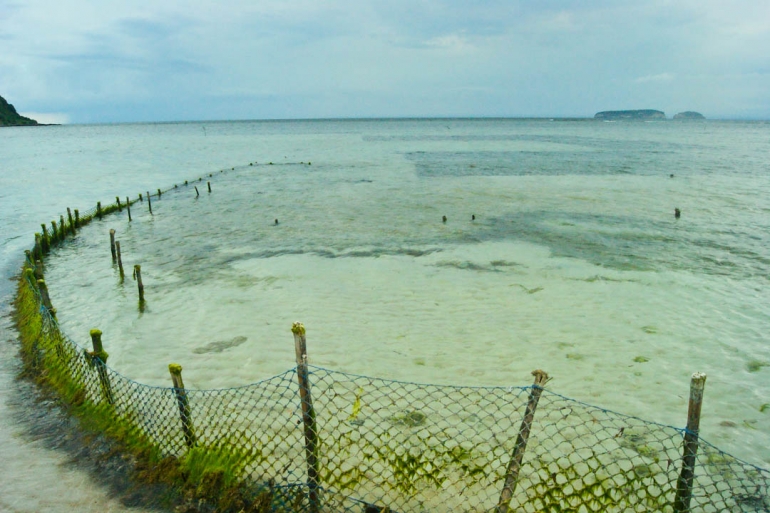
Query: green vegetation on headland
{"type": "Point", "coordinates": [643, 114]}
{"type": "Point", "coordinates": [9, 116]}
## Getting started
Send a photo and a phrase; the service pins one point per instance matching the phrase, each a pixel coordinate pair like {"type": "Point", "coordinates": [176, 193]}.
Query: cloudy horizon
{"type": "Point", "coordinates": [82, 62]}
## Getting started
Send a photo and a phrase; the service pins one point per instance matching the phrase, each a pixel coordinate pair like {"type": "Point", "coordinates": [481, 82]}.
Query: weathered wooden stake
{"type": "Point", "coordinates": [120, 260]}
{"type": "Point", "coordinates": [37, 251]}
{"type": "Point", "coordinates": [138, 278]}
{"type": "Point", "coordinates": [308, 415]}
{"type": "Point", "coordinates": [38, 270]}
{"type": "Point", "coordinates": [54, 232]}
{"type": "Point", "coordinates": [209, 184]}
{"type": "Point", "coordinates": [112, 245]}
{"type": "Point", "coordinates": [62, 228]}
{"type": "Point", "coordinates": [196, 191]}
{"type": "Point", "coordinates": [99, 209]}
{"type": "Point", "coordinates": [29, 257]}
{"type": "Point", "coordinates": [684, 483]}
{"type": "Point", "coordinates": [117, 200]}
{"type": "Point", "coordinates": [512, 474]}
{"type": "Point", "coordinates": [45, 243]}
{"type": "Point", "coordinates": [149, 202]}
{"type": "Point", "coordinates": [45, 297]}
{"type": "Point", "coordinates": [72, 224]}
{"type": "Point", "coordinates": [128, 208]}
{"type": "Point", "coordinates": [99, 356]}
{"type": "Point", "coordinates": [159, 193]}
{"type": "Point", "coordinates": [77, 218]}
{"type": "Point", "coordinates": [184, 406]}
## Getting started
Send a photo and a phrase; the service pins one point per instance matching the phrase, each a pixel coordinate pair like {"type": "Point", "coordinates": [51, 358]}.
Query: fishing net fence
{"type": "Point", "coordinates": [315, 439]}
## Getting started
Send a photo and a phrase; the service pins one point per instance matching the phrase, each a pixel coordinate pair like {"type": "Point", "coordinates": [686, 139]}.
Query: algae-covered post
{"type": "Point", "coordinates": [38, 249]}
{"type": "Point", "coordinates": [72, 224]}
{"type": "Point", "coordinates": [184, 406]}
{"type": "Point", "coordinates": [308, 414]}
{"type": "Point", "coordinates": [77, 218]}
{"type": "Point", "coordinates": [120, 260]}
{"type": "Point", "coordinates": [512, 474]}
{"type": "Point", "coordinates": [99, 356]}
{"type": "Point", "coordinates": [112, 245]}
{"type": "Point", "coordinates": [128, 209]}
{"type": "Point", "coordinates": [62, 227]}
{"type": "Point", "coordinates": [38, 270]}
{"type": "Point", "coordinates": [138, 278]}
{"type": "Point", "coordinates": [45, 243]}
{"type": "Point", "coordinates": [149, 202]}
{"type": "Point", "coordinates": [99, 209]}
{"type": "Point", "coordinates": [684, 483]}
{"type": "Point", "coordinates": [209, 184]}
{"type": "Point", "coordinates": [54, 232]}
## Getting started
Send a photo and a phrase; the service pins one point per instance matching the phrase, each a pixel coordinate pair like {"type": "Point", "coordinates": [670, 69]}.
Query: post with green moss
{"type": "Point", "coordinates": [128, 209]}
{"type": "Point", "coordinates": [38, 270]}
{"type": "Point", "coordinates": [54, 232]}
{"type": "Point", "coordinates": [112, 245]}
{"type": "Point", "coordinates": [37, 251]}
{"type": "Point", "coordinates": [308, 415]}
{"type": "Point", "coordinates": [138, 278]}
{"type": "Point", "coordinates": [99, 209]}
{"type": "Point", "coordinates": [62, 227]}
{"type": "Point", "coordinates": [184, 405]}
{"type": "Point", "coordinates": [77, 218]}
{"type": "Point", "coordinates": [72, 224]}
{"type": "Point", "coordinates": [512, 474]}
{"type": "Point", "coordinates": [99, 358]}
{"type": "Point", "coordinates": [684, 483]}
{"type": "Point", "coordinates": [45, 243]}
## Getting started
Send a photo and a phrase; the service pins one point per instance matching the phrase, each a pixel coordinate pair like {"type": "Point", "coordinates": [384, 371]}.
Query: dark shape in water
{"type": "Point", "coordinates": [677, 213]}
{"type": "Point", "coordinates": [218, 347]}
{"type": "Point", "coordinates": [443, 219]}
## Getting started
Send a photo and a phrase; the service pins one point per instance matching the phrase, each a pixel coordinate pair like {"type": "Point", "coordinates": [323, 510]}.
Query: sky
{"type": "Point", "coordinates": [88, 61]}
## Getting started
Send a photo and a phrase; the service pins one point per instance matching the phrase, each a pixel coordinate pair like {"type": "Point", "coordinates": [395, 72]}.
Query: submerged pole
{"type": "Point", "coordinates": [117, 200]}
{"type": "Point", "coordinates": [184, 405]}
{"type": "Point", "coordinates": [138, 278]}
{"type": "Point", "coordinates": [687, 475]}
{"type": "Point", "coordinates": [149, 202]}
{"type": "Point", "coordinates": [128, 209]}
{"type": "Point", "coordinates": [112, 245]}
{"type": "Point", "coordinates": [196, 191]}
{"type": "Point", "coordinates": [308, 415]}
{"type": "Point", "coordinates": [120, 260]}
{"type": "Point", "coordinates": [209, 184]}
{"type": "Point", "coordinates": [512, 474]}
{"type": "Point", "coordinates": [99, 356]}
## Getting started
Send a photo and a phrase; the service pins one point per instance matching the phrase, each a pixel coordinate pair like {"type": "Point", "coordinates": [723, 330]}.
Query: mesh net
{"type": "Point", "coordinates": [383, 445]}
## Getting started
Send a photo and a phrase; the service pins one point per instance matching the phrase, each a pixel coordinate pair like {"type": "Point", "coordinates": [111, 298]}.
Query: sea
{"type": "Point", "coordinates": [448, 251]}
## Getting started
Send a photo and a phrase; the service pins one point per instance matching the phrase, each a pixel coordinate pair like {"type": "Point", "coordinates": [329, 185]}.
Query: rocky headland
{"type": "Point", "coordinates": [9, 116]}
{"type": "Point", "coordinates": [689, 115]}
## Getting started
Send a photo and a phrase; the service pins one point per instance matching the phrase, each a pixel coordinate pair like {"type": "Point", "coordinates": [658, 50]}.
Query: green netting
{"type": "Point", "coordinates": [386, 445]}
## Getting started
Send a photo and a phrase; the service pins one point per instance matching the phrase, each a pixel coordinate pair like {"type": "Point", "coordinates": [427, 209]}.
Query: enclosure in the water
{"type": "Point", "coordinates": [311, 438]}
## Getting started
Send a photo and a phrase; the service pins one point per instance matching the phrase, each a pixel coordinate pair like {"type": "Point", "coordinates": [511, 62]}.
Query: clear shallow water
{"type": "Point", "coordinates": [574, 263]}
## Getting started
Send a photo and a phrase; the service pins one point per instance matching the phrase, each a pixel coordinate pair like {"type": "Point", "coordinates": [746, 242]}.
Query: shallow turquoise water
{"type": "Point", "coordinates": [574, 262]}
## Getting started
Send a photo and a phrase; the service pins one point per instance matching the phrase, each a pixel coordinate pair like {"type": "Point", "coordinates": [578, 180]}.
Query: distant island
{"type": "Point", "coordinates": [689, 115]}
{"type": "Point", "coordinates": [9, 116]}
{"type": "Point", "coordinates": [643, 114]}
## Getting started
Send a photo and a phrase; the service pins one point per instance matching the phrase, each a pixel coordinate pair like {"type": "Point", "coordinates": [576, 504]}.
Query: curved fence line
{"type": "Point", "coordinates": [314, 439]}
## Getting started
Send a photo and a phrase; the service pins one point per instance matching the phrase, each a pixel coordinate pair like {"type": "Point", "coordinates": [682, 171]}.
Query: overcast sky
{"type": "Point", "coordinates": [149, 60]}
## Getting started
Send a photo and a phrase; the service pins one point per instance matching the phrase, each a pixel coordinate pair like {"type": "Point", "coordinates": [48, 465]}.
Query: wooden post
{"type": "Point", "coordinates": [28, 256]}
{"type": "Point", "coordinates": [38, 270]}
{"type": "Point", "coordinates": [138, 278]}
{"type": "Point", "coordinates": [45, 297]}
{"type": "Point", "coordinates": [184, 406]}
{"type": "Point", "coordinates": [209, 184]}
{"type": "Point", "coordinates": [684, 483]}
{"type": "Point", "coordinates": [196, 191]}
{"type": "Point", "coordinates": [54, 231]}
{"type": "Point", "coordinates": [77, 218]}
{"type": "Point", "coordinates": [117, 200]}
{"type": "Point", "coordinates": [512, 474]}
{"type": "Point", "coordinates": [308, 415]}
{"type": "Point", "coordinates": [159, 193]}
{"type": "Point", "coordinates": [128, 208]}
{"type": "Point", "coordinates": [37, 251]}
{"type": "Point", "coordinates": [99, 209]}
{"type": "Point", "coordinates": [149, 202]}
{"type": "Point", "coordinates": [99, 356]}
{"type": "Point", "coordinates": [62, 228]}
{"type": "Point", "coordinates": [112, 245]}
{"type": "Point", "coordinates": [45, 243]}
{"type": "Point", "coordinates": [120, 260]}
{"type": "Point", "coordinates": [72, 224]}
